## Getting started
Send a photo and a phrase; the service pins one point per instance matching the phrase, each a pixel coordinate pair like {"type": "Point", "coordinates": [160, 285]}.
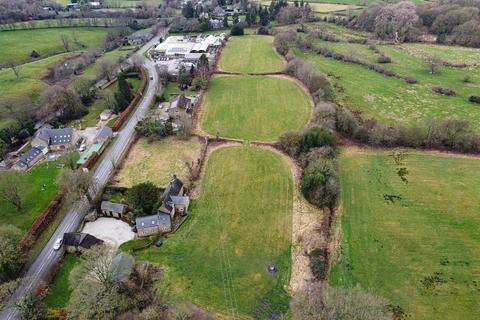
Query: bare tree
{"type": "Point", "coordinates": [70, 158]}
{"type": "Point", "coordinates": [65, 42]}
{"type": "Point", "coordinates": [11, 185]}
{"type": "Point", "coordinates": [106, 68]}
{"type": "Point", "coordinates": [15, 69]}
{"type": "Point", "coordinates": [432, 64]}
{"type": "Point", "coordinates": [75, 183]}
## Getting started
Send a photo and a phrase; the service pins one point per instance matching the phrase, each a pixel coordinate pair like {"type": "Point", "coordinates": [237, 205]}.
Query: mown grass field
{"type": "Point", "coordinates": [157, 161]}
{"type": "Point", "coordinates": [254, 107]}
{"type": "Point", "coordinates": [250, 54]}
{"type": "Point", "coordinates": [59, 291]}
{"type": "Point", "coordinates": [17, 45]}
{"type": "Point", "coordinates": [323, 6]}
{"type": "Point", "coordinates": [35, 199]}
{"type": "Point", "coordinates": [421, 250]}
{"type": "Point", "coordinates": [239, 225]}
{"type": "Point", "coordinates": [393, 101]}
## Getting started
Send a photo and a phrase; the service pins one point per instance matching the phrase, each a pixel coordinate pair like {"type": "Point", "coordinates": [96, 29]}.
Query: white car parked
{"type": "Point", "coordinates": [58, 244]}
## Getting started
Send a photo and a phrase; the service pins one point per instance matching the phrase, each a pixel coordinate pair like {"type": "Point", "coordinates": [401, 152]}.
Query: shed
{"type": "Point", "coordinates": [77, 241]}
{"type": "Point", "coordinates": [112, 209]}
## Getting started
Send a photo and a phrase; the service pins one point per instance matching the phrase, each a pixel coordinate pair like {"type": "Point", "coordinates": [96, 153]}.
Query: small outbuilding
{"type": "Point", "coordinates": [77, 241]}
{"type": "Point", "coordinates": [112, 209]}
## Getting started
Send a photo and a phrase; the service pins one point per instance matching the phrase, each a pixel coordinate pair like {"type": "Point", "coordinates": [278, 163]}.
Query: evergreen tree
{"type": "Point", "coordinates": [188, 11]}
{"type": "Point", "coordinates": [121, 103]}
{"type": "Point", "coordinates": [235, 18]}
{"type": "Point", "coordinates": [124, 88]}
{"type": "Point", "coordinates": [225, 21]}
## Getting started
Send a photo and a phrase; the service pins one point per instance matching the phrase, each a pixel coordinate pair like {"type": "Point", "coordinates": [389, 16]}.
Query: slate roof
{"type": "Point", "coordinates": [78, 239]}
{"type": "Point", "coordinates": [180, 101]}
{"type": "Point", "coordinates": [29, 156]}
{"type": "Point", "coordinates": [173, 189]}
{"type": "Point", "coordinates": [56, 136]}
{"type": "Point", "coordinates": [112, 206]}
{"type": "Point", "coordinates": [104, 133]}
{"type": "Point", "coordinates": [179, 200]}
{"type": "Point", "coordinates": [161, 220]}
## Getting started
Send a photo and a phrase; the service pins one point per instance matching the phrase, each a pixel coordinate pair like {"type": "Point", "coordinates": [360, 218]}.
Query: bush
{"type": "Point", "coordinates": [290, 142]}
{"type": "Point", "coordinates": [263, 31]}
{"type": "Point", "coordinates": [319, 184]}
{"type": "Point", "coordinates": [444, 91]}
{"type": "Point", "coordinates": [410, 80]}
{"type": "Point", "coordinates": [318, 263]}
{"type": "Point", "coordinates": [346, 122]}
{"type": "Point", "coordinates": [384, 59]}
{"type": "Point", "coordinates": [324, 115]}
{"type": "Point", "coordinates": [237, 29]}
{"type": "Point", "coordinates": [314, 154]}
{"type": "Point", "coordinates": [474, 99]}
{"type": "Point", "coordinates": [316, 137]}
{"type": "Point", "coordinates": [34, 54]}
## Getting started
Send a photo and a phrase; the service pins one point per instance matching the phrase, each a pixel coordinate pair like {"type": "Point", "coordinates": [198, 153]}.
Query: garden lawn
{"type": "Point", "coordinates": [35, 200]}
{"type": "Point", "coordinates": [391, 100]}
{"type": "Point", "coordinates": [17, 45]}
{"type": "Point", "coordinates": [250, 54]}
{"type": "Point", "coordinates": [172, 88]}
{"type": "Point", "coordinates": [254, 107]}
{"type": "Point", "coordinates": [60, 291]}
{"type": "Point", "coordinates": [158, 161]}
{"type": "Point", "coordinates": [421, 250]}
{"type": "Point", "coordinates": [242, 222]}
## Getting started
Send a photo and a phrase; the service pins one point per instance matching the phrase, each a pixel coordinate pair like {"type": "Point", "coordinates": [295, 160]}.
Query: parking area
{"type": "Point", "coordinates": [113, 231]}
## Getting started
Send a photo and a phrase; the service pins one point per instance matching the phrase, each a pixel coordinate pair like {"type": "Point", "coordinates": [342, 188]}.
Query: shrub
{"type": "Point", "coordinates": [444, 91]}
{"type": "Point", "coordinates": [144, 197]}
{"type": "Point", "coordinates": [316, 137]}
{"type": "Point", "coordinates": [384, 59]}
{"type": "Point", "coordinates": [263, 31]}
{"type": "Point", "coordinates": [467, 79]}
{"type": "Point", "coordinates": [314, 154]}
{"type": "Point", "coordinates": [324, 115]}
{"type": "Point", "coordinates": [237, 30]}
{"type": "Point", "coordinates": [410, 80]}
{"type": "Point", "coordinates": [34, 54]}
{"type": "Point", "coordinates": [318, 263]}
{"type": "Point", "coordinates": [319, 183]}
{"type": "Point", "coordinates": [290, 142]}
{"type": "Point", "coordinates": [474, 99]}
{"type": "Point", "coordinates": [346, 122]}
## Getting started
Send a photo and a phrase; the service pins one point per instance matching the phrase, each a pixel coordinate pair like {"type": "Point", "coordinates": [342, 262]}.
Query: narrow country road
{"type": "Point", "coordinates": [48, 258]}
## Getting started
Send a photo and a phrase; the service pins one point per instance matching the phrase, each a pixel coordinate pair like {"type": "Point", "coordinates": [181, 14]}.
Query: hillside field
{"type": "Point", "coordinates": [254, 107]}
{"type": "Point", "coordinates": [34, 198]}
{"type": "Point", "coordinates": [17, 45]}
{"type": "Point", "coordinates": [250, 54]}
{"type": "Point", "coordinates": [391, 100]}
{"type": "Point", "coordinates": [240, 224]}
{"type": "Point", "coordinates": [157, 161]}
{"type": "Point", "coordinates": [417, 243]}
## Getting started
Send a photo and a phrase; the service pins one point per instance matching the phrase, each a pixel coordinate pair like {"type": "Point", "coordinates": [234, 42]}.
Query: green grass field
{"type": "Point", "coordinates": [250, 54]}
{"type": "Point", "coordinates": [17, 45]}
{"type": "Point", "coordinates": [391, 100]}
{"type": "Point", "coordinates": [422, 250]}
{"type": "Point", "coordinates": [35, 199]}
{"type": "Point", "coordinates": [240, 224]}
{"type": "Point", "coordinates": [254, 107]}
{"type": "Point", "coordinates": [59, 291]}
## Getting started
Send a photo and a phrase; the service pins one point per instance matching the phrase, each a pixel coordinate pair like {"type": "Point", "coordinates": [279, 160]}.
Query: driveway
{"type": "Point", "coordinates": [113, 231]}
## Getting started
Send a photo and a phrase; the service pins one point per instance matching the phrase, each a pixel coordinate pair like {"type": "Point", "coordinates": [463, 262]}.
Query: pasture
{"type": "Point", "coordinates": [34, 198]}
{"type": "Point", "coordinates": [18, 45]}
{"type": "Point", "coordinates": [250, 54]}
{"type": "Point", "coordinates": [416, 243]}
{"type": "Point", "coordinates": [391, 100]}
{"type": "Point", "coordinates": [157, 161]}
{"type": "Point", "coordinates": [324, 6]}
{"type": "Point", "coordinates": [240, 224]}
{"type": "Point", "coordinates": [254, 107]}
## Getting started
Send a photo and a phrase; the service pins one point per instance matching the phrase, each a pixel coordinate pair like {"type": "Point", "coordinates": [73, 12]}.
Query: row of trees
{"type": "Point", "coordinates": [452, 21]}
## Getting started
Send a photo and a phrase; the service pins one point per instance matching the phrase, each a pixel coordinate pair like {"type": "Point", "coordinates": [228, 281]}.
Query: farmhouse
{"type": "Point", "coordinates": [174, 200]}
{"type": "Point", "coordinates": [153, 224]}
{"type": "Point", "coordinates": [181, 106]}
{"type": "Point", "coordinates": [54, 139]}
{"type": "Point", "coordinates": [28, 159]}
{"type": "Point", "coordinates": [112, 209]}
{"type": "Point", "coordinates": [77, 241]}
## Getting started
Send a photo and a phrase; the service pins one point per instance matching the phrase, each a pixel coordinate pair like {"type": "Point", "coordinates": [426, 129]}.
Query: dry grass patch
{"type": "Point", "coordinates": [157, 161]}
